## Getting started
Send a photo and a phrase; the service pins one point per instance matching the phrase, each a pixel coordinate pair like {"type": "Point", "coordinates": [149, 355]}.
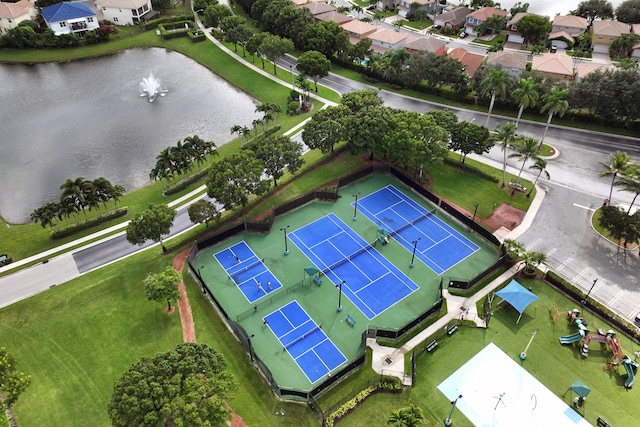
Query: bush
{"type": "Point", "coordinates": [184, 183]}
{"type": "Point", "coordinates": [151, 25]}
{"type": "Point", "coordinates": [59, 234]}
{"type": "Point", "coordinates": [292, 107]}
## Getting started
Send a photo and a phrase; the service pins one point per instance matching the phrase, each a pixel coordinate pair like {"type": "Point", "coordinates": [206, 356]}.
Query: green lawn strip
{"type": "Point", "coordinates": [75, 340]}
{"type": "Point", "coordinates": [595, 222]}
{"type": "Point", "coordinates": [418, 25]}
{"type": "Point", "coordinates": [253, 401]}
{"type": "Point", "coordinates": [378, 407]}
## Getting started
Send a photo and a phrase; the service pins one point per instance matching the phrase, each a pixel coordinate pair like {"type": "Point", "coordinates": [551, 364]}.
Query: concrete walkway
{"type": "Point", "coordinates": [390, 360]}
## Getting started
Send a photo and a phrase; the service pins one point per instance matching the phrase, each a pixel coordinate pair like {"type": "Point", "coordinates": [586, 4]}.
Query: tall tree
{"type": "Point", "coordinates": [628, 11]}
{"type": "Point", "coordinates": [274, 48]}
{"type": "Point", "coordinates": [534, 29]}
{"type": "Point", "coordinates": [253, 46]}
{"type": "Point", "coordinates": [622, 45]}
{"type": "Point", "coordinates": [214, 13]}
{"type": "Point", "coordinates": [592, 9]}
{"type": "Point", "coordinates": [518, 8]}
{"type": "Point", "coordinates": [526, 95]}
{"type": "Point", "coordinates": [188, 386]}
{"type": "Point", "coordinates": [366, 129]}
{"type": "Point", "coordinates": [163, 286]}
{"type": "Point", "coordinates": [278, 153]}
{"type": "Point", "coordinates": [326, 128]}
{"type": "Point", "coordinates": [315, 65]}
{"type": "Point", "coordinates": [361, 99]}
{"type": "Point", "coordinates": [618, 163]}
{"type": "Point", "coordinates": [497, 83]}
{"type": "Point", "coordinates": [541, 166]}
{"type": "Point", "coordinates": [46, 214]}
{"type": "Point", "coordinates": [493, 24]}
{"type": "Point", "coordinates": [234, 178]}
{"type": "Point", "coordinates": [506, 134]}
{"type": "Point", "coordinates": [12, 381]}
{"type": "Point", "coordinates": [554, 103]}
{"type": "Point", "coordinates": [468, 138]}
{"type": "Point", "coordinates": [203, 211]}
{"type": "Point", "coordinates": [526, 148]}
{"type": "Point", "coordinates": [630, 182]}
{"type": "Point", "coordinates": [74, 190]}
{"type": "Point", "coordinates": [151, 224]}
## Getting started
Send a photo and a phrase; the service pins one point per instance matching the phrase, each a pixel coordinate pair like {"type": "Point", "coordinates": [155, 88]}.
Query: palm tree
{"type": "Point", "coordinates": [45, 214]}
{"type": "Point", "coordinates": [256, 123]}
{"type": "Point", "coordinates": [274, 109]}
{"type": "Point", "coordinates": [198, 148]}
{"type": "Point", "coordinates": [630, 181]}
{"type": "Point", "coordinates": [541, 166]}
{"type": "Point", "coordinates": [410, 416]}
{"type": "Point", "coordinates": [555, 103]}
{"type": "Point", "coordinates": [73, 190]}
{"type": "Point", "coordinates": [66, 208]}
{"type": "Point", "coordinates": [395, 418]}
{"type": "Point", "coordinates": [526, 95]}
{"type": "Point", "coordinates": [506, 134]}
{"type": "Point", "coordinates": [117, 191]}
{"type": "Point", "coordinates": [236, 129]}
{"type": "Point", "coordinates": [526, 149]}
{"type": "Point", "coordinates": [103, 190]}
{"type": "Point", "coordinates": [496, 83]}
{"type": "Point", "coordinates": [533, 260]}
{"type": "Point", "coordinates": [619, 161]}
{"type": "Point", "coordinates": [245, 133]}
{"type": "Point", "coordinates": [164, 165]}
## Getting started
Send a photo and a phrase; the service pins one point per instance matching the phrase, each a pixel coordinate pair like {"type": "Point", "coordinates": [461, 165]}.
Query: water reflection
{"type": "Point", "coordinates": [86, 118]}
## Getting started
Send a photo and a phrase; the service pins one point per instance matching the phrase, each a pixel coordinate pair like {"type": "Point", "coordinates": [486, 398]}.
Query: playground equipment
{"type": "Point", "coordinates": [523, 355]}
{"type": "Point", "coordinates": [629, 365]}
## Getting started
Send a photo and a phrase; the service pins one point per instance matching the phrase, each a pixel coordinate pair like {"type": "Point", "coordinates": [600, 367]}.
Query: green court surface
{"type": "Point", "coordinates": [321, 301]}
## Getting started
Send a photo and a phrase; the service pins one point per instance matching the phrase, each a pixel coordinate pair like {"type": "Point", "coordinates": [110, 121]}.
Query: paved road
{"type": "Point", "coordinates": [561, 230]}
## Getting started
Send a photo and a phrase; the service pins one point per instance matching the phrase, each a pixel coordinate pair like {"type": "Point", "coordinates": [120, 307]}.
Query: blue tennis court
{"type": "Point", "coordinates": [368, 279]}
{"type": "Point", "coordinates": [247, 271]}
{"type": "Point", "coordinates": [305, 341]}
{"type": "Point", "coordinates": [440, 247]}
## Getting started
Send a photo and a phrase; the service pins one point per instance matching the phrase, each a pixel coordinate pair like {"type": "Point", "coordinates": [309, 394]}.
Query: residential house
{"type": "Point", "coordinates": [126, 12]}
{"type": "Point", "coordinates": [513, 62]}
{"type": "Point", "coordinates": [359, 30]}
{"type": "Point", "coordinates": [479, 16]}
{"type": "Point", "coordinates": [585, 68]}
{"type": "Point", "coordinates": [11, 14]}
{"type": "Point", "coordinates": [603, 33]}
{"type": "Point", "coordinates": [426, 44]}
{"type": "Point", "coordinates": [553, 66]}
{"type": "Point", "coordinates": [471, 61]}
{"type": "Point", "coordinates": [561, 39]}
{"type": "Point", "coordinates": [333, 16]}
{"type": "Point", "coordinates": [302, 2]}
{"type": "Point", "coordinates": [574, 25]}
{"type": "Point", "coordinates": [383, 40]}
{"type": "Point", "coordinates": [69, 18]}
{"type": "Point", "coordinates": [635, 50]}
{"type": "Point", "coordinates": [513, 35]}
{"type": "Point", "coordinates": [318, 8]}
{"type": "Point", "coordinates": [407, 8]}
{"type": "Point", "coordinates": [454, 18]}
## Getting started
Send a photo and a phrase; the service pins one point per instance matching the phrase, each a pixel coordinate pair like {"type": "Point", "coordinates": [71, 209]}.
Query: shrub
{"type": "Point", "coordinates": [59, 234]}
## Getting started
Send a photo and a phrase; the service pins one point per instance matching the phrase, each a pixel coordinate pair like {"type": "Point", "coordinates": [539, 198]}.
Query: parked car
{"type": "Point", "coordinates": [436, 27]}
{"type": "Point", "coordinates": [462, 35]}
{"type": "Point", "coordinates": [373, 6]}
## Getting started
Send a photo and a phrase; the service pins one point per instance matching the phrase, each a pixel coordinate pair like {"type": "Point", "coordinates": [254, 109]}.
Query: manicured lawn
{"type": "Point", "coordinates": [595, 222]}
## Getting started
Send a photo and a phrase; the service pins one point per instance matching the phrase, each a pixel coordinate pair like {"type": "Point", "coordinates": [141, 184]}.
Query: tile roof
{"type": "Point", "coordinates": [518, 16]}
{"type": "Point", "coordinates": [333, 16]}
{"type": "Point", "coordinates": [317, 8]}
{"type": "Point", "coordinates": [425, 44]}
{"type": "Point", "coordinates": [553, 63]}
{"type": "Point", "coordinates": [472, 61]}
{"type": "Point", "coordinates": [635, 28]}
{"type": "Point", "coordinates": [585, 68]}
{"type": "Point", "coordinates": [610, 28]}
{"type": "Point", "coordinates": [388, 36]}
{"type": "Point", "coordinates": [508, 59]}
{"type": "Point", "coordinates": [124, 4]}
{"type": "Point", "coordinates": [456, 16]}
{"type": "Point", "coordinates": [359, 27]}
{"type": "Point", "coordinates": [65, 11]}
{"type": "Point", "coordinates": [570, 21]}
{"type": "Point", "coordinates": [485, 13]}
{"type": "Point", "coordinates": [15, 10]}
{"type": "Point", "coordinates": [561, 35]}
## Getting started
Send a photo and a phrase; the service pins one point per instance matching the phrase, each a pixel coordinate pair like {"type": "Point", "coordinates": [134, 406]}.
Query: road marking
{"type": "Point", "coordinates": [614, 299]}
{"type": "Point", "coordinates": [575, 279]}
{"type": "Point", "coordinates": [561, 266]}
{"type": "Point", "coordinates": [532, 245]}
{"type": "Point", "coordinates": [551, 252]}
{"type": "Point", "coordinates": [584, 207]}
{"type": "Point", "coordinates": [635, 312]}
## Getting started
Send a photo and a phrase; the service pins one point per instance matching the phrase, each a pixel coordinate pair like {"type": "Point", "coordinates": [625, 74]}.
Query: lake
{"type": "Point", "coordinates": [551, 8]}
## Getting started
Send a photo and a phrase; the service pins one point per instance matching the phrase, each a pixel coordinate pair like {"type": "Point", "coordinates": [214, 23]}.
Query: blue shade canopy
{"type": "Point", "coordinates": [580, 388]}
{"type": "Point", "coordinates": [516, 295]}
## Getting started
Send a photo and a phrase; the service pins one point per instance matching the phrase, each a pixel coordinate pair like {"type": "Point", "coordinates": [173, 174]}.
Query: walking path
{"type": "Point", "coordinates": [390, 360]}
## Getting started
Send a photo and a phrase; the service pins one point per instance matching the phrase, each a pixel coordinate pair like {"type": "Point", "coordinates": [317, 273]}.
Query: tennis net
{"type": "Point", "coordinates": [303, 336]}
{"type": "Point", "coordinates": [237, 274]}
{"type": "Point", "coordinates": [410, 223]}
{"type": "Point", "coordinates": [347, 258]}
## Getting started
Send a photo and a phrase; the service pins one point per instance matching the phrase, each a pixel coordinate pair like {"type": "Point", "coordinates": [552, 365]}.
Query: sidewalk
{"type": "Point", "coordinates": [390, 360]}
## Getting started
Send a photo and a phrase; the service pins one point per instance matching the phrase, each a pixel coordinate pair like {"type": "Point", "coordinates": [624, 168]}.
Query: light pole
{"type": "Point", "coordinates": [339, 286]}
{"type": "Point", "coordinates": [590, 289]}
{"type": "Point", "coordinates": [413, 255]}
{"type": "Point", "coordinates": [449, 421]}
{"type": "Point", "coordinates": [475, 210]}
{"type": "Point", "coordinates": [286, 247]}
{"type": "Point", "coordinates": [355, 207]}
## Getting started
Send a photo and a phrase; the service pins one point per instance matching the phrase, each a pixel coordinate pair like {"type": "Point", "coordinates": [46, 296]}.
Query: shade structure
{"type": "Point", "coordinates": [311, 271]}
{"type": "Point", "coordinates": [580, 388]}
{"type": "Point", "coordinates": [516, 295]}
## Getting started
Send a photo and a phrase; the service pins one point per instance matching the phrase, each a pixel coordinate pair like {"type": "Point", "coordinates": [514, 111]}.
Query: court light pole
{"type": "Point", "coordinates": [449, 421]}
{"type": "Point", "coordinates": [475, 210]}
{"type": "Point", "coordinates": [339, 286]}
{"type": "Point", "coordinates": [413, 255]}
{"type": "Point", "coordinates": [590, 289]}
{"type": "Point", "coordinates": [355, 206]}
{"type": "Point", "coordinates": [286, 247]}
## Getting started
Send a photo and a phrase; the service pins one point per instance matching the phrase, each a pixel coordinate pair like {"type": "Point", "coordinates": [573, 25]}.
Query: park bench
{"type": "Point", "coordinates": [603, 423]}
{"type": "Point", "coordinates": [350, 320]}
{"type": "Point", "coordinates": [452, 329]}
{"type": "Point", "coordinates": [432, 346]}
{"type": "Point", "coordinates": [517, 186]}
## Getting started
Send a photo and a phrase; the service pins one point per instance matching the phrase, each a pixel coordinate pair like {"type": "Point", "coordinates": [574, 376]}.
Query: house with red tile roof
{"type": "Point", "coordinates": [11, 14]}
{"type": "Point", "coordinates": [479, 16]}
{"type": "Point", "coordinates": [318, 7]}
{"type": "Point", "coordinates": [553, 66]}
{"type": "Point", "coordinates": [383, 40]}
{"type": "Point", "coordinates": [583, 69]}
{"type": "Point", "coordinates": [513, 62]}
{"type": "Point", "coordinates": [471, 61]}
{"type": "Point", "coordinates": [358, 30]}
{"type": "Point", "coordinates": [426, 44]}
{"type": "Point", "coordinates": [333, 16]}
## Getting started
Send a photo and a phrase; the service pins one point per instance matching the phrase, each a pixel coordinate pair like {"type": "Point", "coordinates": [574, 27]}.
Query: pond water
{"type": "Point", "coordinates": [85, 118]}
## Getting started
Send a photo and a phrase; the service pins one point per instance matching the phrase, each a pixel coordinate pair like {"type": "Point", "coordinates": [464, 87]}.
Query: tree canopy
{"type": "Point", "coordinates": [594, 9]}
{"type": "Point", "coordinates": [315, 65]}
{"type": "Point", "coordinates": [326, 128]}
{"type": "Point", "coordinates": [163, 287]}
{"type": "Point", "coordinates": [629, 12]}
{"type": "Point", "coordinates": [535, 29]}
{"type": "Point", "coordinates": [151, 224]}
{"type": "Point", "coordinates": [203, 211]}
{"type": "Point", "coordinates": [277, 153]}
{"type": "Point", "coordinates": [235, 178]}
{"type": "Point", "coordinates": [468, 138]}
{"type": "Point", "coordinates": [187, 386]}
{"type": "Point", "coordinates": [12, 381]}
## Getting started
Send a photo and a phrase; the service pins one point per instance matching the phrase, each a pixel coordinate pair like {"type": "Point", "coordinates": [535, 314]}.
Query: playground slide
{"type": "Point", "coordinates": [568, 339]}
{"type": "Point", "coordinates": [630, 377]}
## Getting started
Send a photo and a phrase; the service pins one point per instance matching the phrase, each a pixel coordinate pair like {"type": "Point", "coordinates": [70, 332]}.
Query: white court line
{"type": "Point", "coordinates": [564, 264]}
{"type": "Point", "coordinates": [616, 298]}
{"type": "Point", "coordinates": [583, 207]}
{"type": "Point", "coordinates": [582, 273]}
{"type": "Point", "coordinates": [552, 251]}
{"type": "Point", "coordinates": [532, 245]}
{"type": "Point", "coordinates": [635, 311]}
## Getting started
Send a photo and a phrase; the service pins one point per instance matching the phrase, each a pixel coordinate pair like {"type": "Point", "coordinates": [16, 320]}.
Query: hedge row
{"type": "Point", "coordinates": [152, 25]}
{"type": "Point", "coordinates": [68, 231]}
{"type": "Point", "coordinates": [181, 185]}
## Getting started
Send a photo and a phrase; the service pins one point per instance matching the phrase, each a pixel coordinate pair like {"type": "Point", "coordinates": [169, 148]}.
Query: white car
{"type": "Point", "coordinates": [462, 35]}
